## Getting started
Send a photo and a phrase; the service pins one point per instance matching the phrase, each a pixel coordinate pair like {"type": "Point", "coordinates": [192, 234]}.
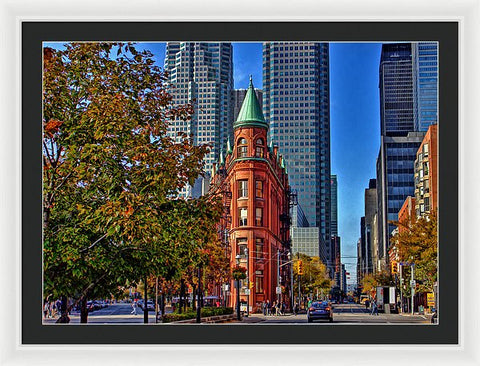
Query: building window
{"type": "Point", "coordinates": [242, 215]}
{"type": "Point", "coordinates": [259, 189]}
{"type": "Point", "coordinates": [243, 189]}
{"type": "Point", "coordinates": [259, 148]}
{"type": "Point", "coordinates": [259, 216]}
{"type": "Point", "coordinates": [259, 248]}
{"type": "Point", "coordinates": [241, 246]}
{"type": "Point", "coordinates": [242, 148]}
{"type": "Point", "coordinates": [259, 282]}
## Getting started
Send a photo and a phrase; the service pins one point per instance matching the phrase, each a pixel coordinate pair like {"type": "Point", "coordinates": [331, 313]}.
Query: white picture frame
{"type": "Point", "coordinates": [467, 13]}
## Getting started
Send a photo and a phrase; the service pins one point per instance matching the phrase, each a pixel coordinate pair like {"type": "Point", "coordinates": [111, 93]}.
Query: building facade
{"type": "Point", "coordinates": [395, 182]}
{"type": "Point", "coordinates": [259, 229]}
{"type": "Point", "coordinates": [202, 74]}
{"type": "Point", "coordinates": [371, 235]}
{"type": "Point", "coordinates": [426, 173]}
{"type": "Point", "coordinates": [297, 108]}
{"type": "Point", "coordinates": [334, 205]}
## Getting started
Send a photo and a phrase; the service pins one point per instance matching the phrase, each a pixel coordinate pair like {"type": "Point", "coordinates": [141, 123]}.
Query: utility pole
{"type": "Point", "coordinates": [156, 299]}
{"type": "Point", "coordinates": [401, 287]}
{"type": "Point", "coordinates": [248, 282]}
{"type": "Point", "coordinates": [412, 284]}
{"type": "Point", "coordinates": [199, 310]}
{"type": "Point", "coordinates": [278, 274]}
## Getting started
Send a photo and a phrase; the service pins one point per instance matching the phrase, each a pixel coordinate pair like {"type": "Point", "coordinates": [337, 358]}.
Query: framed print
{"type": "Point", "coordinates": [264, 296]}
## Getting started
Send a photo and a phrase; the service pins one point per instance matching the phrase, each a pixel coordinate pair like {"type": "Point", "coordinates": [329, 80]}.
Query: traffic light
{"type": "Point", "coordinates": [394, 268]}
{"type": "Point", "coordinates": [300, 267]}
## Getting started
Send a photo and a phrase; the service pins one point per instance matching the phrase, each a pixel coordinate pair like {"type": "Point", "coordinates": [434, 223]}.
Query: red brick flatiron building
{"type": "Point", "coordinates": [254, 177]}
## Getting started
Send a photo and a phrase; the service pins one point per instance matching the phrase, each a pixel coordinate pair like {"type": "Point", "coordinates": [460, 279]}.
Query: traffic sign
{"type": "Point", "coordinates": [413, 283]}
{"type": "Point", "coordinates": [278, 290]}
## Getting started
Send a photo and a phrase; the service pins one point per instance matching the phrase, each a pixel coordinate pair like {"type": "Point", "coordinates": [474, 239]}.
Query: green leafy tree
{"type": "Point", "coordinates": [111, 172]}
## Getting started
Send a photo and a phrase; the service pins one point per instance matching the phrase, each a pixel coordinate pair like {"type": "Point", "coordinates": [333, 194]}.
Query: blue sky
{"type": "Point", "coordinates": [354, 121]}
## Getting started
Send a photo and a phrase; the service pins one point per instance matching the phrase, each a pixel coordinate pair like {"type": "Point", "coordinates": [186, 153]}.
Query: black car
{"type": "Point", "coordinates": [319, 310]}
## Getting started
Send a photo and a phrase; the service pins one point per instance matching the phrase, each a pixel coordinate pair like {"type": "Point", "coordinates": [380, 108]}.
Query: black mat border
{"type": "Point", "coordinates": [34, 33]}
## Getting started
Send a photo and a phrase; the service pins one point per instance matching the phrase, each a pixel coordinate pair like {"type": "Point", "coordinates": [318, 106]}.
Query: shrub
{"type": "Point", "coordinates": [205, 312]}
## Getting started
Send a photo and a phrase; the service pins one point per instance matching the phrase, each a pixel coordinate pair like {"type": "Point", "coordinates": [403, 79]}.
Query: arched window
{"type": "Point", "coordinates": [242, 148]}
{"type": "Point", "coordinates": [259, 148]}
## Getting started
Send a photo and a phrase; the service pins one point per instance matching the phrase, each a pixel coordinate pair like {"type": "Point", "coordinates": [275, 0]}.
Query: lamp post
{"type": "Point", "coordinates": [289, 256]}
{"type": "Point", "coordinates": [248, 283]}
{"type": "Point", "coordinates": [237, 258]}
{"type": "Point", "coordinates": [278, 275]}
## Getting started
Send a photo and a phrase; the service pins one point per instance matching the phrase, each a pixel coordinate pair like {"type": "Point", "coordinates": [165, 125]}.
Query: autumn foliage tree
{"type": "Point", "coordinates": [315, 276]}
{"type": "Point", "coordinates": [111, 173]}
{"type": "Point", "coordinates": [417, 242]}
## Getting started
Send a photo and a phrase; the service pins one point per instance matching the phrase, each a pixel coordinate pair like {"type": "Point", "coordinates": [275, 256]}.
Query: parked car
{"type": "Point", "coordinates": [320, 310]}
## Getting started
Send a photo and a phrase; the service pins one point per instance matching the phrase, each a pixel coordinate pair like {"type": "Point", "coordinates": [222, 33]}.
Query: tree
{"type": "Point", "coordinates": [371, 281]}
{"type": "Point", "coordinates": [417, 242]}
{"type": "Point", "coordinates": [314, 278]}
{"type": "Point", "coordinates": [111, 172]}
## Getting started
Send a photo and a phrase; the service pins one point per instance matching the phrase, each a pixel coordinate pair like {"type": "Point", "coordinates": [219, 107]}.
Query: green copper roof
{"type": "Point", "coordinates": [251, 111]}
{"type": "Point", "coordinates": [229, 146]}
{"type": "Point", "coordinates": [221, 158]}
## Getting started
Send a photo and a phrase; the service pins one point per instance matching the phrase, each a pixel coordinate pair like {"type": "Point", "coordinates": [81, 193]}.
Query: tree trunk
{"type": "Point", "coordinates": [145, 307]}
{"type": "Point", "coordinates": [180, 302]}
{"type": "Point", "coordinates": [83, 310]}
{"type": "Point", "coordinates": [194, 307]}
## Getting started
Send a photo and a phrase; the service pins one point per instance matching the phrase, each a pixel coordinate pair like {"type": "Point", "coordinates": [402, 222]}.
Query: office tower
{"type": "Point", "coordinates": [305, 238]}
{"type": "Point", "coordinates": [371, 208]}
{"type": "Point", "coordinates": [202, 73]}
{"type": "Point", "coordinates": [239, 96]}
{"type": "Point", "coordinates": [334, 205]}
{"type": "Point", "coordinates": [296, 106]}
{"type": "Point", "coordinates": [425, 84]}
{"type": "Point", "coordinates": [395, 182]}
{"type": "Point", "coordinates": [396, 89]}
{"type": "Point", "coordinates": [399, 142]}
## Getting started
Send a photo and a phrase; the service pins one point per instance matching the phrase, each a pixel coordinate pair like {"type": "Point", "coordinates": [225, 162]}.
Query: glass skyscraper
{"type": "Point", "coordinates": [203, 73]}
{"type": "Point", "coordinates": [408, 104]}
{"type": "Point", "coordinates": [334, 205]}
{"type": "Point", "coordinates": [425, 80]}
{"type": "Point", "coordinates": [396, 90]}
{"type": "Point", "coordinates": [296, 105]}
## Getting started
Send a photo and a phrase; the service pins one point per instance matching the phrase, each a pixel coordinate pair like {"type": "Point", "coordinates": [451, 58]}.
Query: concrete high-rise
{"type": "Point", "coordinates": [296, 106]}
{"type": "Point", "coordinates": [371, 208]}
{"type": "Point", "coordinates": [202, 73]}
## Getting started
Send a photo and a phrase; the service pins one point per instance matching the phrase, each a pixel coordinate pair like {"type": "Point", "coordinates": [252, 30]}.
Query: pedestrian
{"type": "Point", "coordinates": [269, 308]}
{"type": "Point", "coordinates": [134, 306]}
{"type": "Point", "coordinates": [45, 309]}
{"type": "Point", "coordinates": [295, 309]}
{"type": "Point", "coordinates": [283, 308]}
{"type": "Point", "coordinates": [374, 308]}
{"type": "Point", "coordinates": [309, 303]}
{"type": "Point", "coordinates": [274, 308]}
{"type": "Point", "coordinates": [264, 308]}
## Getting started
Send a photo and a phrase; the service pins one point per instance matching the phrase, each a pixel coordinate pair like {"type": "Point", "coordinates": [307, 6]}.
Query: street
{"type": "Point", "coordinates": [343, 314]}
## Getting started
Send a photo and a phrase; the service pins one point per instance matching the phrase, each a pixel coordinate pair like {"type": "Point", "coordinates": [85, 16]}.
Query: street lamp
{"type": "Point", "coordinates": [289, 256]}
{"type": "Point", "coordinates": [248, 283]}
{"type": "Point", "coordinates": [237, 258]}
